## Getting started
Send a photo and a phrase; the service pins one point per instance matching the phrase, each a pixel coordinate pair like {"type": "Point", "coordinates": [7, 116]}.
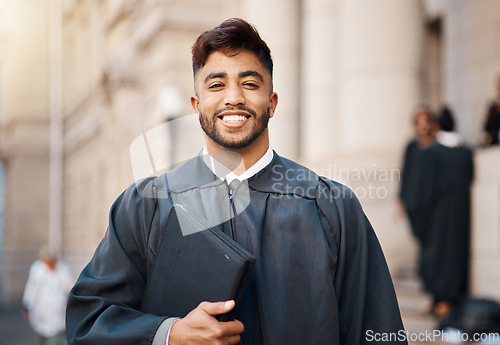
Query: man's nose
{"type": "Point", "coordinates": [234, 95]}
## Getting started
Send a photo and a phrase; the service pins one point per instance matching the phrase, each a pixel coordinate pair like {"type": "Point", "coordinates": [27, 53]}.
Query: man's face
{"type": "Point", "coordinates": [234, 101]}
{"type": "Point", "coordinates": [423, 125]}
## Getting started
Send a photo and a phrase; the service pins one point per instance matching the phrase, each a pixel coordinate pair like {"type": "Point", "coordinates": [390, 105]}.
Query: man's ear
{"type": "Point", "coordinates": [273, 103]}
{"type": "Point", "coordinates": [195, 103]}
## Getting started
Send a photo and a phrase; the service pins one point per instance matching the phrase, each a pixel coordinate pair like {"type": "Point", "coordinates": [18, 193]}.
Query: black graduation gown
{"type": "Point", "coordinates": [320, 275]}
{"type": "Point", "coordinates": [444, 257]}
{"type": "Point", "coordinates": [417, 190]}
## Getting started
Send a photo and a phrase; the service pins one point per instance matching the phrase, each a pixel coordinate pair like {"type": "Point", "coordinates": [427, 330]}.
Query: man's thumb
{"type": "Point", "coordinates": [217, 308]}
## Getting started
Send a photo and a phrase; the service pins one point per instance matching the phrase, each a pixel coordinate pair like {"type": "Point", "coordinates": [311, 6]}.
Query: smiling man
{"type": "Point", "coordinates": [230, 97]}
{"type": "Point", "coordinates": [320, 276]}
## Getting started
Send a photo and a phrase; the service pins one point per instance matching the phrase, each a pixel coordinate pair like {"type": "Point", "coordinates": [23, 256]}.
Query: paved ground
{"type": "Point", "coordinates": [14, 329]}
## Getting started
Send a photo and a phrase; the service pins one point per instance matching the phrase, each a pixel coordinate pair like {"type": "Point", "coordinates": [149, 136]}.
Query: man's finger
{"type": "Point", "coordinates": [232, 328]}
{"type": "Point", "coordinates": [233, 340]}
{"type": "Point", "coordinates": [217, 308]}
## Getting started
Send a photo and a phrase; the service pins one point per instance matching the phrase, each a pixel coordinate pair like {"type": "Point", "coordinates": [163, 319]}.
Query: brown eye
{"type": "Point", "coordinates": [251, 85]}
{"type": "Point", "coordinates": [215, 86]}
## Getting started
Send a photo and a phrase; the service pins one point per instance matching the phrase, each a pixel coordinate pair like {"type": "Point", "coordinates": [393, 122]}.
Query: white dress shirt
{"type": "Point", "coordinates": [224, 173]}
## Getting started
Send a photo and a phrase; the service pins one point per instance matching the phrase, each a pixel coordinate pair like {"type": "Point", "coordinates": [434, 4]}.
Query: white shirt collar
{"type": "Point", "coordinates": [224, 173]}
{"type": "Point", "coordinates": [450, 139]}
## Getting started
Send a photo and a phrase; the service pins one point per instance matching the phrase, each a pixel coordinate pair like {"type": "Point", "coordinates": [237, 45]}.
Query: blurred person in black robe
{"type": "Point", "coordinates": [491, 133]}
{"type": "Point", "coordinates": [445, 247]}
{"type": "Point", "coordinates": [435, 191]}
{"type": "Point", "coordinates": [415, 193]}
{"type": "Point", "coordinates": [320, 276]}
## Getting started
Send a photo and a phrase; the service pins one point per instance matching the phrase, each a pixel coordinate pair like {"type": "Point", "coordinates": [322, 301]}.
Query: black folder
{"type": "Point", "coordinates": [203, 265]}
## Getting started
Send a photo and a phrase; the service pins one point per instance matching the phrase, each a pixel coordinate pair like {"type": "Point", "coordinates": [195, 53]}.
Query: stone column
{"type": "Point", "coordinates": [485, 235]}
{"type": "Point", "coordinates": [380, 59]}
{"type": "Point", "coordinates": [279, 25]}
{"type": "Point", "coordinates": [380, 73]}
{"type": "Point", "coordinates": [360, 81]}
{"type": "Point", "coordinates": [320, 55]}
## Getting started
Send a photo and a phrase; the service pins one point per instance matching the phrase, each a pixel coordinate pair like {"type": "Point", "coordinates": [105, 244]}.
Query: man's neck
{"type": "Point", "coordinates": [224, 173]}
{"type": "Point", "coordinates": [425, 140]}
{"type": "Point", "coordinates": [239, 160]}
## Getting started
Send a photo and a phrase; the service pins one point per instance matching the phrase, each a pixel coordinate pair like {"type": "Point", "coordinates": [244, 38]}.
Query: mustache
{"type": "Point", "coordinates": [250, 111]}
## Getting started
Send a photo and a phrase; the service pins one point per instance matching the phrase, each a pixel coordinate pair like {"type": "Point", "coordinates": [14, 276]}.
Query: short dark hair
{"type": "Point", "coordinates": [445, 120]}
{"type": "Point", "coordinates": [231, 37]}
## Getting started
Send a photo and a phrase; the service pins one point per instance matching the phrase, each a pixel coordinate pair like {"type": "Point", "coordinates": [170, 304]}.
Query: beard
{"type": "Point", "coordinates": [234, 139]}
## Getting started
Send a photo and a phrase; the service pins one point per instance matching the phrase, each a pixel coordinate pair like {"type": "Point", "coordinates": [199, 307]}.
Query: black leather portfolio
{"type": "Point", "coordinates": [195, 263]}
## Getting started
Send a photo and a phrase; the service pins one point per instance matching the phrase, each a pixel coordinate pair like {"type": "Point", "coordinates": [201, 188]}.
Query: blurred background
{"type": "Point", "coordinates": [80, 80]}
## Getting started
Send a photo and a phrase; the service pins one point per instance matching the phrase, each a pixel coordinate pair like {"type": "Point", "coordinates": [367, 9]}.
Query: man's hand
{"type": "Point", "coordinates": [201, 327]}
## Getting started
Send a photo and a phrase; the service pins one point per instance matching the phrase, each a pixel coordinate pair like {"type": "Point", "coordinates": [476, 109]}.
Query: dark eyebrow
{"type": "Point", "coordinates": [215, 75]}
{"type": "Point", "coordinates": [244, 74]}
{"type": "Point", "coordinates": [251, 74]}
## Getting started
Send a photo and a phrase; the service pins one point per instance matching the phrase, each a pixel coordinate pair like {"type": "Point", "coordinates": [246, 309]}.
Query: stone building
{"type": "Point", "coordinates": [82, 80]}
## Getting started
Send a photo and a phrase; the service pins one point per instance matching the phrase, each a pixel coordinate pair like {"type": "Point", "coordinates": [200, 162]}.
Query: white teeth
{"type": "Point", "coordinates": [233, 118]}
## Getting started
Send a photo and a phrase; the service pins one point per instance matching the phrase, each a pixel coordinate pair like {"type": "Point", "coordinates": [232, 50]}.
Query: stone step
{"type": "Point", "coordinates": [410, 283]}
{"type": "Point", "coordinates": [411, 297]}
{"type": "Point", "coordinates": [415, 305]}
{"type": "Point", "coordinates": [411, 303]}
{"type": "Point", "coordinates": [419, 323]}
